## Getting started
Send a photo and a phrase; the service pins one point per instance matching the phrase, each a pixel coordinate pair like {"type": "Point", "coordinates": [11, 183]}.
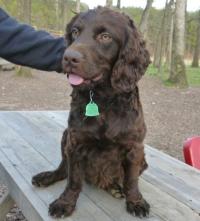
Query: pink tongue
{"type": "Point", "coordinates": [75, 79]}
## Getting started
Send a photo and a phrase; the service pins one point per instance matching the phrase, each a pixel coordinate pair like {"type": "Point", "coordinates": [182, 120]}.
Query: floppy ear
{"type": "Point", "coordinates": [132, 62]}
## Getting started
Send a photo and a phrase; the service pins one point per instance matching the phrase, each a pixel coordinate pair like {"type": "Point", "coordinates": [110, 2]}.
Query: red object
{"type": "Point", "coordinates": [191, 150]}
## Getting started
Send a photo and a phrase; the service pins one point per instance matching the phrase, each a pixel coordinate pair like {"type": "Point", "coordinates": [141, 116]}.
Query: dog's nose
{"type": "Point", "coordinates": [72, 56]}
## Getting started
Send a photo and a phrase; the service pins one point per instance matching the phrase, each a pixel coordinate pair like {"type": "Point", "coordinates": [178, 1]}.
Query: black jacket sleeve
{"type": "Point", "coordinates": [23, 45]}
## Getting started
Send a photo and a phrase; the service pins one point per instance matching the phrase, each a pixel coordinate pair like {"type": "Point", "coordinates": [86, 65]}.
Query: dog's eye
{"type": "Point", "coordinates": [75, 33]}
{"type": "Point", "coordinates": [104, 37]}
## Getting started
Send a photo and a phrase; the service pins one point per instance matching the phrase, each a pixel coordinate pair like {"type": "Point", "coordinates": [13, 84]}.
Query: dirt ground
{"type": "Point", "coordinates": [172, 115]}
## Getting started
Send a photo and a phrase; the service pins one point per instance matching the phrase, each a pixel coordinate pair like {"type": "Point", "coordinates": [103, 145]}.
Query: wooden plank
{"type": "Point", "coordinates": [33, 135]}
{"type": "Point", "coordinates": [21, 192]}
{"type": "Point", "coordinates": [180, 181]}
{"type": "Point", "coordinates": [165, 173]}
{"type": "Point", "coordinates": [6, 203]}
{"type": "Point", "coordinates": [23, 157]}
{"type": "Point", "coordinates": [48, 124]}
{"type": "Point", "coordinates": [114, 208]}
{"type": "Point", "coordinates": [117, 206]}
{"type": "Point", "coordinates": [163, 206]}
{"type": "Point", "coordinates": [166, 206]}
{"type": "Point", "coordinates": [86, 211]}
{"type": "Point", "coordinates": [187, 173]}
{"type": "Point", "coordinates": [59, 117]}
{"type": "Point", "coordinates": [48, 119]}
{"type": "Point", "coordinates": [174, 187]}
{"type": "Point", "coordinates": [33, 120]}
{"type": "Point", "coordinates": [57, 189]}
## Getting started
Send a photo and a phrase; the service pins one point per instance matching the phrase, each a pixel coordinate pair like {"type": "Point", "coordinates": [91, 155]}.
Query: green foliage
{"type": "Point", "coordinates": [43, 15]}
{"type": "Point", "coordinates": [152, 71]}
{"type": "Point", "coordinates": [154, 25]}
{"type": "Point", "coordinates": [191, 28]}
{"type": "Point", "coordinates": [168, 83]}
{"type": "Point", "coordinates": [133, 13]}
{"type": "Point", "coordinates": [44, 12]}
{"type": "Point", "coordinates": [193, 75]}
{"type": "Point", "coordinates": [24, 72]}
{"type": "Point", "coordinates": [10, 6]}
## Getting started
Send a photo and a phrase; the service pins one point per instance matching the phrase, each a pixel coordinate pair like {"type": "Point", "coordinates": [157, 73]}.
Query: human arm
{"type": "Point", "coordinates": [23, 45]}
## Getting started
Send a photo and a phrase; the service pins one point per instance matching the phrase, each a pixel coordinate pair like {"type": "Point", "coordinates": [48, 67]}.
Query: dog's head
{"type": "Point", "coordinates": [104, 45]}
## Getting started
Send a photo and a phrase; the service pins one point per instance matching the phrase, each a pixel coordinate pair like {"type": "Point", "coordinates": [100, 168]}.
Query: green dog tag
{"type": "Point", "coordinates": [92, 110]}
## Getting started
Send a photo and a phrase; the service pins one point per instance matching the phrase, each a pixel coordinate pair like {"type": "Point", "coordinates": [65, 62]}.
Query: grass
{"type": "Point", "coordinates": [193, 75]}
{"type": "Point", "coordinates": [152, 71]}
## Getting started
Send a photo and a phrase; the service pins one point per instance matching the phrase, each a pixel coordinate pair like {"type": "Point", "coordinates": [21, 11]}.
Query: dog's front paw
{"type": "Point", "coordinates": [140, 208]}
{"type": "Point", "coordinates": [116, 191]}
{"type": "Point", "coordinates": [43, 179]}
{"type": "Point", "coordinates": [60, 209]}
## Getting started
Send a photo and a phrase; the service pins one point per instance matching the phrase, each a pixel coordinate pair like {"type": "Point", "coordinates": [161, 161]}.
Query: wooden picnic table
{"type": "Point", "coordinates": [30, 143]}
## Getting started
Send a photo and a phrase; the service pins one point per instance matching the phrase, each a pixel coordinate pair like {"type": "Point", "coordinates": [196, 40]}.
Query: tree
{"type": "Point", "coordinates": [160, 39]}
{"type": "Point", "coordinates": [109, 3]}
{"type": "Point", "coordinates": [163, 41]}
{"type": "Point", "coordinates": [178, 72]}
{"type": "Point", "coordinates": [78, 6]}
{"type": "Point", "coordinates": [26, 17]}
{"type": "Point", "coordinates": [170, 34]}
{"type": "Point", "coordinates": [195, 62]}
{"type": "Point", "coordinates": [27, 11]}
{"type": "Point", "coordinates": [64, 18]}
{"type": "Point", "coordinates": [144, 19]}
{"type": "Point", "coordinates": [119, 4]}
{"type": "Point", "coordinates": [163, 36]}
{"type": "Point", "coordinates": [57, 14]}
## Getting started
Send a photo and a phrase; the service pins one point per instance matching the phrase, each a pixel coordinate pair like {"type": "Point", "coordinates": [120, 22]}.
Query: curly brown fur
{"type": "Point", "coordinates": [107, 52]}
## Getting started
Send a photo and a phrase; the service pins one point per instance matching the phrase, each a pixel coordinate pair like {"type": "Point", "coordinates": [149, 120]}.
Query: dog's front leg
{"type": "Point", "coordinates": [66, 203]}
{"type": "Point", "coordinates": [135, 203]}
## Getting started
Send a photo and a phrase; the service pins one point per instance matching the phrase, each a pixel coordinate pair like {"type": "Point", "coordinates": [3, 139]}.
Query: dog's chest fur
{"type": "Point", "coordinates": [110, 125]}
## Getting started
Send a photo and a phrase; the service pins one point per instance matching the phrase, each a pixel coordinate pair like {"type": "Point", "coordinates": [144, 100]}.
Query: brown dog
{"type": "Point", "coordinates": [105, 59]}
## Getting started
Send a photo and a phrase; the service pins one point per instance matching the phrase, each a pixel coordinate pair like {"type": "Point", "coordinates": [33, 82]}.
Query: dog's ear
{"type": "Point", "coordinates": [132, 62]}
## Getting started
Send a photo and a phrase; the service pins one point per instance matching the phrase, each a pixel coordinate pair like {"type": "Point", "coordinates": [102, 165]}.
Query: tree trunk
{"type": "Point", "coordinates": [157, 52]}
{"type": "Point", "coordinates": [26, 15]}
{"type": "Point", "coordinates": [119, 4]}
{"type": "Point", "coordinates": [163, 36]}
{"type": "Point", "coordinates": [145, 16]}
{"type": "Point", "coordinates": [27, 11]}
{"type": "Point", "coordinates": [78, 6]}
{"type": "Point", "coordinates": [170, 35]}
{"type": "Point", "coordinates": [159, 39]}
{"type": "Point", "coordinates": [195, 62]}
{"type": "Point", "coordinates": [64, 13]}
{"type": "Point", "coordinates": [109, 3]}
{"type": "Point", "coordinates": [57, 26]}
{"type": "Point", "coordinates": [166, 35]}
{"type": "Point", "coordinates": [178, 72]}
